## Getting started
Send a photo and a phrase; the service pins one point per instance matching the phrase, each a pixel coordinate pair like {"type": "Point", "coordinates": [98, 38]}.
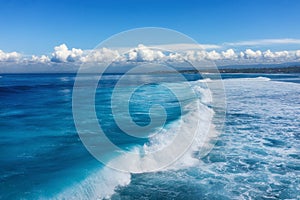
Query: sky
{"type": "Point", "coordinates": [36, 27]}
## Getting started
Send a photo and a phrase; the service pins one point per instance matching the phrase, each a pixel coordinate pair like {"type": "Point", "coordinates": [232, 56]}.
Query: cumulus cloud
{"type": "Point", "coordinates": [99, 55]}
{"type": "Point", "coordinates": [279, 54]}
{"type": "Point", "coordinates": [63, 54]}
{"type": "Point", "coordinates": [9, 57]}
{"type": "Point", "coordinates": [297, 54]}
{"type": "Point", "coordinates": [250, 54]}
{"type": "Point", "coordinates": [247, 56]}
{"type": "Point", "coordinates": [229, 54]}
{"type": "Point", "coordinates": [143, 53]}
{"type": "Point", "coordinates": [40, 59]}
{"type": "Point", "coordinates": [209, 55]}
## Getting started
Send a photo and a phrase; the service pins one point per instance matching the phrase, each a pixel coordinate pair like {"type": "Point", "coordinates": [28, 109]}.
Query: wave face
{"type": "Point", "coordinates": [255, 157]}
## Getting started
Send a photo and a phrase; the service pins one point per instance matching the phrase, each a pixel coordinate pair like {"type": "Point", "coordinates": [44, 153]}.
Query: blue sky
{"type": "Point", "coordinates": [58, 36]}
{"type": "Point", "coordinates": [36, 26]}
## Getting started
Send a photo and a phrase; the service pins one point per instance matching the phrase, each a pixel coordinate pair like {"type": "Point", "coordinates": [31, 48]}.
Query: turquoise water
{"type": "Point", "coordinates": [256, 156]}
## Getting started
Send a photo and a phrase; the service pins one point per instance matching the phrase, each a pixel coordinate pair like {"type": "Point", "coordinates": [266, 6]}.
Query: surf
{"type": "Point", "coordinates": [102, 183]}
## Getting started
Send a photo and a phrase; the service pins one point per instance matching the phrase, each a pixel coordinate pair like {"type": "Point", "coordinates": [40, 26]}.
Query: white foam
{"type": "Point", "coordinates": [64, 79]}
{"type": "Point", "coordinates": [205, 94]}
{"type": "Point", "coordinates": [99, 185]}
{"type": "Point", "coordinates": [205, 80]}
{"type": "Point", "coordinates": [259, 78]}
{"type": "Point", "coordinates": [202, 141]}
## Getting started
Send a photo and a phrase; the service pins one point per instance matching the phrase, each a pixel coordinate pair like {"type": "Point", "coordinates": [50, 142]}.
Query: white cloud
{"type": "Point", "coordinates": [175, 57]}
{"type": "Point", "coordinates": [63, 54]}
{"type": "Point", "coordinates": [9, 57]}
{"type": "Point", "coordinates": [60, 53]}
{"type": "Point", "coordinates": [185, 47]}
{"type": "Point", "coordinates": [200, 55]}
{"type": "Point", "coordinates": [279, 54]}
{"type": "Point", "coordinates": [264, 42]}
{"type": "Point", "coordinates": [241, 54]}
{"type": "Point", "coordinates": [75, 55]}
{"type": "Point", "coordinates": [143, 53]}
{"type": "Point", "coordinates": [229, 54]}
{"type": "Point", "coordinates": [191, 55]}
{"type": "Point", "coordinates": [269, 54]}
{"type": "Point", "coordinates": [213, 55]}
{"type": "Point", "coordinates": [99, 55]}
{"type": "Point", "coordinates": [194, 55]}
{"type": "Point", "coordinates": [297, 53]}
{"type": "Point", "coordinates": [40, 59]}
{"type": "Point", "coordinates": [250, 54]}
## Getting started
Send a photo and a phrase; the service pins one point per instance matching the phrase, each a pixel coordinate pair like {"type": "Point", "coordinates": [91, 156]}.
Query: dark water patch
{"type": "Point", "coordinates": [243, 115]}
{"type": "Point", "coordinates": [296, 156]}
{"type": "Point", "coordinates": [273, 142]}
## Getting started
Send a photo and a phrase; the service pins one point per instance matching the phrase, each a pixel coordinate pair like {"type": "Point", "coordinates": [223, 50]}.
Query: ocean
{"type": "Point", "coordinates": [255, 155]}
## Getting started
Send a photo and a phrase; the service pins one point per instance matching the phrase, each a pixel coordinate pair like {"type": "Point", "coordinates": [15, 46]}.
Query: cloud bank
{"type": "Point", "coordinates": [63, 55]}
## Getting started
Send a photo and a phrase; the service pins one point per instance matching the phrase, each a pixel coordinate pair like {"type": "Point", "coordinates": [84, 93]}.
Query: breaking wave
{"type": "Point", "coordinates": [102, 183]}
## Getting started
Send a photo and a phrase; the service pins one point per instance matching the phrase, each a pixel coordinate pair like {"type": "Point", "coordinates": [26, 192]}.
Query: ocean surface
{"type": "Point", "coordinates": [256, 155]}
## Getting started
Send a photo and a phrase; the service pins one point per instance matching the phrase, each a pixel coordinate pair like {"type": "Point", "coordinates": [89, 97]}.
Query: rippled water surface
{"type": "Point", "coordinates": [255, 157]}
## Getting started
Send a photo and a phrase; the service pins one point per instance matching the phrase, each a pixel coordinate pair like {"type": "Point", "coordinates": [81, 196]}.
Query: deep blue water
{"type": "Point", "coordinates": [256, 156]}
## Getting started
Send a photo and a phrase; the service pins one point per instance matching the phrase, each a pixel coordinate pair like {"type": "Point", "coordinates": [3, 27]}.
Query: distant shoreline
{"type": "Point", "coordinates": [281, 70]}
{"type": "Point", "coordinates": [277, 70]}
